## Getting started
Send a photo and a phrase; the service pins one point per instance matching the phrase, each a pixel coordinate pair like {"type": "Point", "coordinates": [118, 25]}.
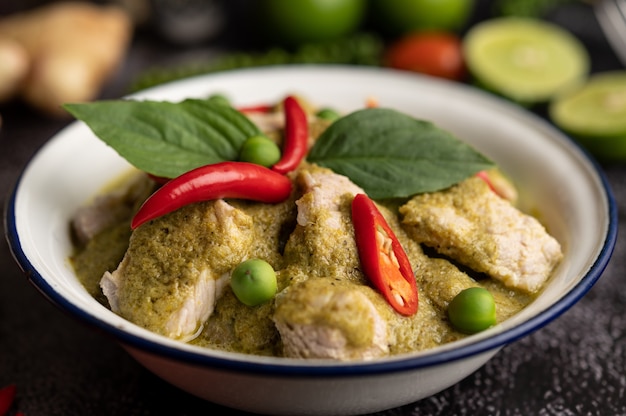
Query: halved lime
{"type": "Point", "coordinates": [525, 59]}
{"type": "Point", "coordinates": [595, 114]}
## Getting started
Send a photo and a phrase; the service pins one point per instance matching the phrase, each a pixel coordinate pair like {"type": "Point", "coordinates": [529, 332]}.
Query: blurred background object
{"type": "Point", "coordinates": [71, 49]}
{"type": "Point", "coordinates": [188, 22]}
{"type": "Point", "coordinates": [612, 17]}
{"type": "Point", "coordinates": [14, 63]}
{"type": "Point", "coordinates": [399, 17]}
{"type": "Point", "coordinates": [54, 52]}
{"type": "Point", "coordinates": [293, 23]}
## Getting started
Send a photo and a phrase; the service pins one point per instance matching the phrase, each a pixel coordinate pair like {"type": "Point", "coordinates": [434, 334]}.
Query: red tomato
{"type": "Point", "coordinates": [433, 53]}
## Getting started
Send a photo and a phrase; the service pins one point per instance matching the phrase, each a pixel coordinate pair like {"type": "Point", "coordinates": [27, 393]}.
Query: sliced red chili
{"type": "Point", "coordinates": [498, 187]}
{"type": "Point", "coordinates": [485, 177]}
{"type": "Point", "coordinates": [295, 144]}
{"type": "Point", "coordinates": [7, 395]}
{"type": "Point", "coordinates": [383, 259]}
{"type": "Point", "coordinates": [239, 180]}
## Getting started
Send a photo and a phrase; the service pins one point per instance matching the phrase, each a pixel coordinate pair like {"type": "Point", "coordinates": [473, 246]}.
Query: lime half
{"type": "Point", "coordinates": [524, 59]}
{"type": "Point", "coordinates": [595, 114]}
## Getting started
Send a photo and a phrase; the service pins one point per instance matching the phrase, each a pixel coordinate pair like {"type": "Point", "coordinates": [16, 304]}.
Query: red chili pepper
{"type": "Point", "coordinates": [499, 186]}
{"type": "Point", "coordinates": [295, 144]}
{"type": "Point", "coordinates": [383, 259]}
{"type": "Point", "coordinates": [240, 180]}
{"type": "Point", "coordinates": [261, 108]}
{"type": "Point", "coordinates": [7, 395]}
{"type": "Point", "coordinates": [485, 177]}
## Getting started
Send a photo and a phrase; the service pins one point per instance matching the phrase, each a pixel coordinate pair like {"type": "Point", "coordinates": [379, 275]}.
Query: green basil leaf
{"type": "Point", "coordinates": [392, 155]}
{"type": "Point", "coordinates": [164, 138]}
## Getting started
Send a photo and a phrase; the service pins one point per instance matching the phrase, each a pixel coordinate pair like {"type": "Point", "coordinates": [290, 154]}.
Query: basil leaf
{"type": "Point", "coordinates": [164, 138]}
{"type": "Point", "coordinates": [392, 155]}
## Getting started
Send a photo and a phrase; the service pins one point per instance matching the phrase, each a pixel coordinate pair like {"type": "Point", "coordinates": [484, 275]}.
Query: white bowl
{"type": "Point", "coordinates": [555, 177]}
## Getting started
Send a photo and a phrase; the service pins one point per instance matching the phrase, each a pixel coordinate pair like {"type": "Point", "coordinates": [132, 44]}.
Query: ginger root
{"type": "Point", "coordinates": [73, 48]}
{"type": "Point", "coordinates": [14, 64]}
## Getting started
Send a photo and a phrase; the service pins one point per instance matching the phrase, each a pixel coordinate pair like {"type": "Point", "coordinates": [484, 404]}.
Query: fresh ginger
{"type": "Point", "coordinates": [14, 64]}
{"type": "Point", "coordinates": [72, 48]}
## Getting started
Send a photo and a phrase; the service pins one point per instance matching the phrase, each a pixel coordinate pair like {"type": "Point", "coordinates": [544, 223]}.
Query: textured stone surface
{"type": "Point", "coordinates": [573, 366]}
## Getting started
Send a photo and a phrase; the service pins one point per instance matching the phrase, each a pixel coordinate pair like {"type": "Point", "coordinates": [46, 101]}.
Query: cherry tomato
{"type": "Point", "coordinates": [434, 53]}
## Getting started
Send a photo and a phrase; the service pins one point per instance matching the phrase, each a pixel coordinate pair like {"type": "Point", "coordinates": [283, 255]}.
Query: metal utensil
{"type": "Point", "coordinates": [611, 15]}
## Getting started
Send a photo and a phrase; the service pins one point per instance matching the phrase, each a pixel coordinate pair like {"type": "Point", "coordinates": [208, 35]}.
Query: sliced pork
{"type": "Point", "coordinates": [472, 225]}
{"type": "Point", "coordinates": [177, 266]}
{"type": "Point", "coordinates": [328, 318]}
{"type": "Point", "coordinates": [330, 310]}
{"type": "Point", "coordinates": [109, 209]}
{"type": "Point", "coordinates": [326, 284]}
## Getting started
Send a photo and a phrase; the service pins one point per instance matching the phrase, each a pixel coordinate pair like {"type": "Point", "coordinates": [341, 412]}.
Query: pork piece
{"type": "Point", "coordinates": [250, 330]}
{"type": "Point", "coordinates": [327, 318]}
{"type": "Point", "coordinates": [267, 122]}
{"type": "Point", "coordinates": [110, 208]}
{"type": "Point", "coordinates": [336, 319]}
{"type": "Point", "coordinates": [330, 310]}
{"type": "Point", "coordinates": [177, 266]}
{"type": "Point", "coordinates": [472, 225]}
{"type": "Point", "coordinates": [322, 243]}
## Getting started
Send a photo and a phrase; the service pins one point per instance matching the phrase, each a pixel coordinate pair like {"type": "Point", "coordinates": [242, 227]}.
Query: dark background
{"type": "Point", "coordinates": [574, 366]}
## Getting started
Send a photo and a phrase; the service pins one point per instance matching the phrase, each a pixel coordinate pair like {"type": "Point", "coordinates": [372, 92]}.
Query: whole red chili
{"type": "Point", "coordinates": [260, 108]}
{"type": "Point", "coordinates": [295, 144]}
{"type": "Point", "coordinates": [239, 180]}
{"type": "Point", "coordinates": [383, 259]}
{"type": "Point", "coordinates": [7, 395]}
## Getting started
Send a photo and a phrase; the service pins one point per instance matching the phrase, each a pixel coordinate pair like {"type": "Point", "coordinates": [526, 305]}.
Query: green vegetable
{"type": "Point", "coordinates": [357, 49]}
{"type": "Point", "coordinates": [253, 282]}
{"type": "Point", "coordinates": [260, 150]}
{"type": "Point", "coordinates": [392, 155]}
{"type": "Point", "coordinates": [295, 22]}
{"type": "Point", "coordinates": [328, 114]}
{"type": "Point", "coordinates": [400, 17]}
{"type": "Point", "coordinates": [219, 99]}
{"type": "Point", "coordinates": [527, 8]}
{"type": "Point", "coordinates": [472, 310]}
{"type": "Point", "coordinates": [387, 153]}
{"type": "Point", "coordinates": [595, 114]}
{"type": "Point", "coordinates": [167, 139]}
{"type": "Point", "coordinates": [527, 60]}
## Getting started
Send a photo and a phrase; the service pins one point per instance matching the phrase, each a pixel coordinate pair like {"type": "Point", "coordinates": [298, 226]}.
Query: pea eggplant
{"type": "Point", "coordinates": [253, 282]}
{"type": "Point", "coordinates": [472, 310]}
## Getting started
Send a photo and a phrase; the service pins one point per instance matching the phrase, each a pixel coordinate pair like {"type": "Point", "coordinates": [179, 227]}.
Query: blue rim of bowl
{"type": "Point", "coordinates": [334, 369]}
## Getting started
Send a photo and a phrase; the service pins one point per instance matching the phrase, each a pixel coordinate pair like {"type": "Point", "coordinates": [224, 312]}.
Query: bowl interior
{"type": "Point", "coordinates": [555, 178]}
